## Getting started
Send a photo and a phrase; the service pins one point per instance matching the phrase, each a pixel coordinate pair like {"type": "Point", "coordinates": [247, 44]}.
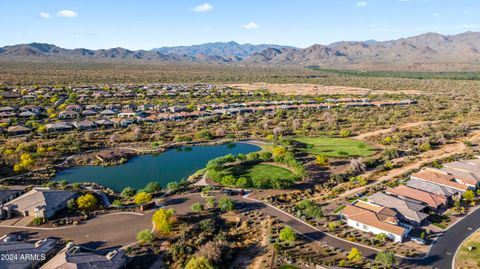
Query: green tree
{"type": "Point", "coordinates": [385, 259]}
{"type": "Point", "coordinates": [152, 187]}
{"type": "Point", "coordinates": [197, 207]}
{"type": "Point", "coordinates": [198, 263]}
{"type": "Point", "coordinates": [172, 186]}
{"type": "Point", "coordinates": [226, 204]}
{"type": "Point", "coordinates": [128, 192]}
{"type": "Point", "coordinates": [355, 255]}
{"type": "Point", "coordinates": [210, 202]}
{"type": "Point", "coordinates": [87, 202]}
{"type": "Point", "coordinates": [143, 198]}
{"type": "Point", "coordinates": [71, 204]}
{"type": "Point", "coordinates": [145, 236]}
{"type": "Point", "coordinates": [469, 196]}
{"type": "Point", "coordinates": [287, 234]}
{"type": "Point", "coordinates": [163, 220]}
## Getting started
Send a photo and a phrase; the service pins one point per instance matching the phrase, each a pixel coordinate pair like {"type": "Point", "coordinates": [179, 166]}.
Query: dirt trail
{"type": "Point", "coordinates": [388, 130]}
{"type": "Point", "coordinates": [429, 156]}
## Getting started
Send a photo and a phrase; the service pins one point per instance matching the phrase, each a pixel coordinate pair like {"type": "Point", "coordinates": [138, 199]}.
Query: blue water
{"type": "Point", "coordinates": [171, 165]}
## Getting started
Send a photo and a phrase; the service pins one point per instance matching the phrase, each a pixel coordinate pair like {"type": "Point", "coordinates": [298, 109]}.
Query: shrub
{"type": "Point", "coordinates": [142, 198]}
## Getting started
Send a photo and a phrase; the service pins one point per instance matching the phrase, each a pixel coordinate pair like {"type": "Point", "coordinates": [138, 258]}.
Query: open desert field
{"type": "Point", "coordinates": [313, 89]}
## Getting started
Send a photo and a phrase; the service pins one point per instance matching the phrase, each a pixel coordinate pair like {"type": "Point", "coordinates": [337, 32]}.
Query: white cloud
{"type": "Point", "coordinates": [466, 26]}
{"type": "Point", "coordinates": [251, 25]}
{"type": "Point", "coordinates": [44, 15]}
{"type": "Point", "coordinates": [362, 4]}
{"type": "Point", "coordinates": [203, 8]}
{"type": "Point", "coordinates": [67, 13]}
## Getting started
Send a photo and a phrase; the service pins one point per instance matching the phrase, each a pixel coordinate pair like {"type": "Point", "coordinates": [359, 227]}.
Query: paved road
{"type": "Point", "coordinates": [443, 251]}
{"type": "Point", "coordinates": [117, 230]}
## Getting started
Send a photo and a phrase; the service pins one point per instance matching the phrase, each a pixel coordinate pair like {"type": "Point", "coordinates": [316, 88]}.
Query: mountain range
{"type": "Point", "coordinates": [461, 50]}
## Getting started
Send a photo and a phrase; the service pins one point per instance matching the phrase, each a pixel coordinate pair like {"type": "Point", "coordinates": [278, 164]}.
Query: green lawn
{"type": "Point", "coordinates": [260, 170]}
{"type": "Point", "coordinates": [466, 258]}
{"type": "Point", "coordinates": [335, 147]}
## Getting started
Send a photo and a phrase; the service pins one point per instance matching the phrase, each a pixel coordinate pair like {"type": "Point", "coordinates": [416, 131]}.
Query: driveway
{"type": "Point", "coordinates": [105, 231]}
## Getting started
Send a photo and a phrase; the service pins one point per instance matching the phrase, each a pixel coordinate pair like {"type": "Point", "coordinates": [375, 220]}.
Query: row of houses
{"type": "Point", "coordinates": [48, 254]}
{"type": "Point", "coordinates": [395, 211]}
{"type": "Point", "coordinates": [112, 118]}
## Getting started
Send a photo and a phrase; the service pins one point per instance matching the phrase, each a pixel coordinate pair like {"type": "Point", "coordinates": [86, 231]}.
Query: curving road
{"type": "Point", "coordinates": [115, 230]}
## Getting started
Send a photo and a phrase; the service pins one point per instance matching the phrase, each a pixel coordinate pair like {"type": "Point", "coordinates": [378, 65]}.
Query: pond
{"type": "Point", "coordinates": [171, 165]}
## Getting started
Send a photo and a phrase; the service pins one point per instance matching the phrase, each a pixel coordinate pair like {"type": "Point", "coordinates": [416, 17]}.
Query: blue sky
{"type": "Point", "coordinates": [145, 24]}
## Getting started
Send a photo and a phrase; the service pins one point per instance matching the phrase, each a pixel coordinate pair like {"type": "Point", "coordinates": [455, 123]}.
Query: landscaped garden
{"type": "Point", "coordinates": [334, 146]}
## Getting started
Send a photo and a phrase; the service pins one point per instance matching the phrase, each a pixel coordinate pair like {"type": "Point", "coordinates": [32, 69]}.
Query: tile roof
{"type": "Point", "coordinates": [432, 200]}
{"type": "Point", "coordinates": [407, 208]}
{"type": "Point", "coordinates": [439, 178]}
{"type": "Point", "coordinates": [75, 257]}
{"type": "Point", "coordinates": [371, 218]}
{"type": "Point", "coordinates": [431, 187]}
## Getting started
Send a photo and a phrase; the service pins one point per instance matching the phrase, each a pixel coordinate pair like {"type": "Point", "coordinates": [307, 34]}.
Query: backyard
{"type": "Point", "coordinates": [335, 147]}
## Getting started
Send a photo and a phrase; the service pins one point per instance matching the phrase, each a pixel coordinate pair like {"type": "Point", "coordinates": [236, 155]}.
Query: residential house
{"type": "Point", "coordinates": [127, 114]}
{"type": "Point", "coordinates": [432, 200]}
{"type": "Point", "coordinates": [433, 188]}
{"type": "Point", "coordinates": [441, 178]}
{"type": "Point", "coordinates": [77, 108]}
{"type": "Point", "coordinates": [85, 125]}
{"type": "Point", "coordinates": [121, 122]}
{"type": "Point", "coordinates": [77, 257]}
{"type": "Point", "coordinates": [32, 108]}
{"type": "Point", "coordinates": [33, 252]}
{"type": "Point", "coordinates": [6, 195]}
{"type": "Point", "coordinates": [105, 123]}
{"type": "Point", "coordinates": [108, 113]}
{"type": "Point", "coordinates": [58, 127]}
{"type": "Point", "coordinates": [41, 202]}
{"type": "Point", "coordinates": [409, 210]}
{"type": "Point", "coordinates": [68, 115]}
{"type": "Point", "coordinates": [89, 113]}
{"type": "Point", "coordinates": [374, 219]}
{"type": "Point", "coordinates": [28, 114]}
{"type": "Point", "coordinates": [18, 130]}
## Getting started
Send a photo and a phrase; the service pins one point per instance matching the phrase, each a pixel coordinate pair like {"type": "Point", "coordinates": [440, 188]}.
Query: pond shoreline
{"type": "Point", "coordinates": [152, 166]}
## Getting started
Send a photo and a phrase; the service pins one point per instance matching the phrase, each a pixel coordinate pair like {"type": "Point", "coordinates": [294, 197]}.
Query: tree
{"type": "Point", "coordinates": [143, 198]}
{"type": "Point", "coordinates": [128, 192]}
{"type": "Point", "coordinates": [26, 161]}
{"type": "Point", "coordinates": [163, 219]}
{"type": "Point", "coordinates": [386, 259]}
{"type": "Point", "coordinates": [152, 187]}
{"type": "Point", "coordinates": [287, 234]}
{"type": "Point", "coordinates": [469, 196]}
{"type": "Point", "coordinates": [278, 153]}
{"type": "Point", "coordinates": [355, 255]}
{"type": "Point", "coordinates": [87, 202]}
{"type": "Point", "coordinates": [210, 202]}
{"type": "Point", "coordinates": [344, 133]}
{"type": "Point", "coordinates": [198, 263]}
{"type": "Point", "coordinates": [321, 160]}
{"type": "Point", "coordinates": [172, 186]}
{"type": "Point", "coordinates": [226, 204]}
{"type": "Point", "coordinates": [197, 207]}
{"type": "Point", "coordinates": [212, 251]}
{"type": "Point", "coordinates": [71, 204]}
{"type": "Point", "coordinates": [145, 236]}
